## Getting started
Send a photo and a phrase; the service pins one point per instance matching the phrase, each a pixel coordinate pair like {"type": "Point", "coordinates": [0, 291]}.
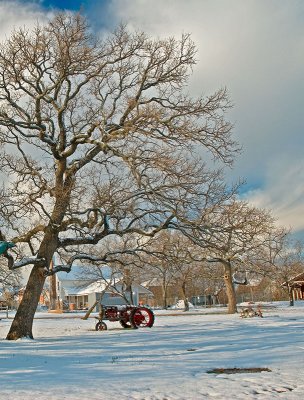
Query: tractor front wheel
{"type": "Point", "coordinates": [101, 326]}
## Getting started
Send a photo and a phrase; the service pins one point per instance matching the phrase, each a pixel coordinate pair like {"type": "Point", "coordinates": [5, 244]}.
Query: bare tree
{"type": "Point", "coordinates": [96, 137]}
{"type": "Point", "coordinates": [181, 255]}
{"type": "Point", "coordinates": [287, 263]}
{"type": "Point", "coordinates": [241, 238]}
{"type": "Point", "coordinates": [168, 262]}
{"type": "Point", "coordinates": [157, 261]}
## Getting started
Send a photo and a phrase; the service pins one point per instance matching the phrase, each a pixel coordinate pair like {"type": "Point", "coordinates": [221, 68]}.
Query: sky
{"type": "Point", "coordinates": [255, 48]}
{"type": "Point", "coordinates": [70, 360]}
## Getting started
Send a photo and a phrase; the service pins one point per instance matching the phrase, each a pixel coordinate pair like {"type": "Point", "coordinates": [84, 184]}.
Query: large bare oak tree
{"type": "Point", "coordinates": [97, 139]}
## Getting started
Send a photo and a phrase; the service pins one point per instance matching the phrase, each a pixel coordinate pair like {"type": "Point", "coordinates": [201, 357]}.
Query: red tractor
{"type": "Point", "coordinates": [128, 316]}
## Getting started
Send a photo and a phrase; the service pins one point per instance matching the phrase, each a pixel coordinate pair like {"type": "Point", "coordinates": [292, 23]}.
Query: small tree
{"type": "Point", "coordinates": [157, 265]}
{"type": "Point", "coordinates": [181, 256]}
{"type": "Point", "coordinates": [96, 138]}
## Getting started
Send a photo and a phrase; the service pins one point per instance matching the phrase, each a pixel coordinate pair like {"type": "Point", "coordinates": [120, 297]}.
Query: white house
{"type": "Point", "coordinates": [77, 293]}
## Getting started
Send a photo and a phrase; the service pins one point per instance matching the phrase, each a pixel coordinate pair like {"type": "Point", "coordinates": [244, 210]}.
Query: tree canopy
{"type": "Point", "coordinates": [99, 138]}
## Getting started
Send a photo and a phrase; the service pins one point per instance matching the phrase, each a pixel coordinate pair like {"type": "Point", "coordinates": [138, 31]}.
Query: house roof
{"type": "Point", "coordinates": [82, 288]}
{"type": "Point", "coordinates": [71, 288]}
{"type": "Point", "coordinates": [296, 280]}
{"type": "Point", "coordinates": [141, 289]}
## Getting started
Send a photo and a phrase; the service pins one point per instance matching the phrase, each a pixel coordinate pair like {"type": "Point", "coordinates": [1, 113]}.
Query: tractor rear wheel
{"type": "Point", "coordinates": [142, 317]}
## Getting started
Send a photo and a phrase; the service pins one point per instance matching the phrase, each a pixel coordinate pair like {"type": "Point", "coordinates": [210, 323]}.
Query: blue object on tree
{"type": "Point", "coordinates": [4, 246]}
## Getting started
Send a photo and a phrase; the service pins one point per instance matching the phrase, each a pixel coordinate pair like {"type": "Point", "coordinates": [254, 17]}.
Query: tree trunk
{"type": "Point", "coordinates": [232, 309]}
{"type": "Point", "coordinates": [128, 285]}
{"type": "Point", "coordinates": [23, 321]}
{"type": "Point", "coordinates": [290, 294]}
{"type": "Point", "coordinates": [164, 296]}
{"type": "Point", "coordinates": [185, 298]}
{"type": "Point", "coordinates": [53, 293]}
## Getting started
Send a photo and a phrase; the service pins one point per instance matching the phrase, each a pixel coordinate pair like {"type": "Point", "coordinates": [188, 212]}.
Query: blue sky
{"type": "Point", "coordinates": [70, 4]}
{"type": "Point", "coordinates": [253, 47]}
{"type": "Point", "coordinates": [65, 4]}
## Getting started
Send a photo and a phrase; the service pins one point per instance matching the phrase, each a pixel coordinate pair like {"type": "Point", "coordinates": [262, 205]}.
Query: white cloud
{"type": "Point", "coordinates": [255, 48]}
{"type": "Point", "coordinates": [283, 193]}
{"type": "Point", "coordinates": [14, 14]}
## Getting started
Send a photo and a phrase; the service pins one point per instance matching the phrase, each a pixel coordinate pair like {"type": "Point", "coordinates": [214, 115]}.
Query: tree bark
{"type": "Point", "coordinates": [232, 309]}
{"type": "Point", "coordinates": [165, 295]}
{"type": "Point", "coordinates": [186, 302]}
{"type": "Point", "coordinates": [23, 321]}
{"type": "Point", "coordinates": [290, 294]}
{"type": "Point", "coordinates": [53, 290]}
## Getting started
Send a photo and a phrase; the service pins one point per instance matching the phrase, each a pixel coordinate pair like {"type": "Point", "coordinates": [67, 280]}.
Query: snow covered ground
{"type": "Point", "coordinates": [70, 360]}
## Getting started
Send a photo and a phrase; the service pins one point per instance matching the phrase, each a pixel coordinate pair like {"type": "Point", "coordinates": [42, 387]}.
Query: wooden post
{"type": "Point", "coordinates": [291, 299]}
{"type": "Point", "coordinates": [53, 290]}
